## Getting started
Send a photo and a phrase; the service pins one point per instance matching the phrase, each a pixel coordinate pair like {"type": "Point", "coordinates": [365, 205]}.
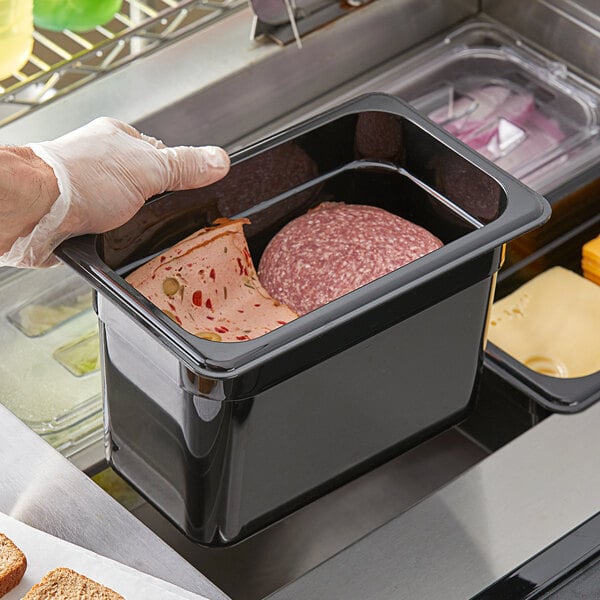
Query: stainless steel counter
{"type": "Point", "coordinates": [452, 543]}
{"type": "Point", "coordinates": [292, 546]}
{"type": "Point", "coordinates": [479, 527]}
{"type": "Point", "coordinates": [42, 489]}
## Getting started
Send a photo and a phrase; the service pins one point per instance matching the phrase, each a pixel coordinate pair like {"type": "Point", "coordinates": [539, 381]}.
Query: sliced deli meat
{"type": "Point", "coordinates": [336, 248]}
{"type": "Point", "coordinates": [486, 101]}
{"type": "Point", "coordinates": [468, 187]}
{"type": "Point", "coordinates": [207, 283]}
{"type": "Point", "coordinates": [264, 176]}
{"type": "Point", "coordinates": [502, 124]}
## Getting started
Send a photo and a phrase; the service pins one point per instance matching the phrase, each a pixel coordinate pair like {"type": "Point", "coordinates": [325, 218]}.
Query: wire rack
{"type": "Point", "coordinates": [64, 61]}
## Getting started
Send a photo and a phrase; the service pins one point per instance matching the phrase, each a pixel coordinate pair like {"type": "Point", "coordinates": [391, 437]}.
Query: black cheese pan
{"type": "Point", "coordinates": [505, 376]}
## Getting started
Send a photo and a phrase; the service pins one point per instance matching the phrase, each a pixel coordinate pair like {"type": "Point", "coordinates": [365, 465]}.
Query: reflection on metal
{"type": "Point", "coordinates": [290, 11]}
{"type": "Point", "coordinates": [567, 29]}
{"type": "Point", "coordinates": [285, 21]}
{"type": "Point", "coordinates": [63, 61]}
{"type": "Point", "coordinates": [479, 527]}
{"type": "Point", "coordinates": [216, 72]}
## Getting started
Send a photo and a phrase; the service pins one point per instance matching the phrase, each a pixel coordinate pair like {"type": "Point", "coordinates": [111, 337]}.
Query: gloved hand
{"type": "Point", "coordinates": [105, 171]}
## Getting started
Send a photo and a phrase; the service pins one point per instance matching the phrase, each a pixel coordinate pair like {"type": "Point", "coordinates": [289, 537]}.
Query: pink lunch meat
{"type": "Point", "coordinates": [486, 101]}
{"type": "Point", "coordinates": [208, 285]}
{"type": "Point", "coordinates": [516, 109]}
{"type": "Point", "coordinates": [543, 136]}
{"type": "Point", "coordinates": [336, 248]}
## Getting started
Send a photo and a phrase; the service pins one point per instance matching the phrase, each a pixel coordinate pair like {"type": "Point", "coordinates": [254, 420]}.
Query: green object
{"type": "Point", "coordinates": [81, 356]}
{"type": "Point", "coordinates": [77, 15]}
{"type": "Point", "coordinates": [121, 491]}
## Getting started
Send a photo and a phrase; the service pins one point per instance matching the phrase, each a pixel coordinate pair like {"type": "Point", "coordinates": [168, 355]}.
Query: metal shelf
{"type": "Point", "coordinates": [63, 61]}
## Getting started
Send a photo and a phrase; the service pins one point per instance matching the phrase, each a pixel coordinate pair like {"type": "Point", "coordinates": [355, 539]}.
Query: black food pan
{"type": "Point", "coordinates": [225, 438]}
{"type": "Point", "coordinates": [550, 393]}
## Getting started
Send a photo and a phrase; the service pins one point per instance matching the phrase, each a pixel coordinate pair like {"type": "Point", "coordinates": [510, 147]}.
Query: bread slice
{"type": "Point", "coordinates": [12, 565]}
{"type": "Point", "coordinates": [66, 584]}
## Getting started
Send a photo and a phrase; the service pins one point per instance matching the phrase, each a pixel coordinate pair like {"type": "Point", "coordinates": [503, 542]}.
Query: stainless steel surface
{"type": "Point", "coordinates": [275, 12]}
{"type": "Point", "coordinates": [398, 74]}
{"type": "Point", "coordinates": [569, 29]}
{"type": "Point", "coordinates": [285, 21]}
{"type": "Point", "coordinates": [42, 489]}
{"type": "Point", "coordinates": [199, 89]}
{"type": "Point", "coordinates": [289, 78]}
{"type": "Point", "coordinates": [479, 527]}
{"type": "Point", "coordinates": [88, 458]}
{"type": "Point", "coordinates": [285, 551]}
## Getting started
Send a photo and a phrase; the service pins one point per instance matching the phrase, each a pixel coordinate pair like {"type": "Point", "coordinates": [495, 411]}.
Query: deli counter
{"type": "Point", "coordinates": [457, 472]}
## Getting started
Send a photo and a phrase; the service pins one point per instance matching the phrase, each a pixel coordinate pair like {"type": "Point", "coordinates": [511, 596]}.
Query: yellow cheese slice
{"type": "Point", "coordinates": [593, 276]}
{"type": "Point", "coordinates": [590, 261]}
{"type": "Point", "coordinates": [592, 249]}
{"type": "Point", "coordinates": [590, 265]}
{"type": "Point", "coordinates": [551, 324]}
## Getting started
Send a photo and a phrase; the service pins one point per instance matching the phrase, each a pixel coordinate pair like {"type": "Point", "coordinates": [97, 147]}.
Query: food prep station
{"type": "Point", "coordinates": [503, 504]}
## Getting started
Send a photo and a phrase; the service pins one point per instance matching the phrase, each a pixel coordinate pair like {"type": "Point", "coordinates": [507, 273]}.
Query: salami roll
{"type": "Point", "coordinates": [468, 187]}
{"type": "Point", "coordinates": [379, 137]}
{"type": "Point", "coordinates": [336, 248]}
{"type": "Point", "coordinates": [262, 177]}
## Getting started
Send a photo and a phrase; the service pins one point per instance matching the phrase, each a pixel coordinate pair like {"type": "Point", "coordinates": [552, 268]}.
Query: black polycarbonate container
{"type": "Point", "coordinates": [225, 438]}
{"type": "Point", "coordinates": [507, 377]}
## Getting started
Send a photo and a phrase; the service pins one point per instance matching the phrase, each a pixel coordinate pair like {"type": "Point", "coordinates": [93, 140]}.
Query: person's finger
{"type": "Point", "coordinates": [130, 130]}
{"type": "Point", "coordinates": [152, 141]}
{"type": "Point", "coordinates": [190, 167]}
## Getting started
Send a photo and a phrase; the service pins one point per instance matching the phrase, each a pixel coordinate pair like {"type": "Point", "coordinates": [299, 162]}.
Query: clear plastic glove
{"type": "Point", "coordinates": [105, 171]}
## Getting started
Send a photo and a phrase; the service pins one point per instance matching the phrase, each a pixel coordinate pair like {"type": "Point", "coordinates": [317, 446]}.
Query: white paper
{"type": "Point", "coordinates": [45, 552]}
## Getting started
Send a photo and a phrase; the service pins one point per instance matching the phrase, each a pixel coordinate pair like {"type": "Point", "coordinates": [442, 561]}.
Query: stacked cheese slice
{"type": "Point", "coordinates": [590, 262]}
{"type": "Point", "coordinates": [551, 324]}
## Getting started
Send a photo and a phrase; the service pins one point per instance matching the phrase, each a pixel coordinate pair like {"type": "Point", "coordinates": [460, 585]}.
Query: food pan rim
{"type": "Point", "coordinates": [225, 359]}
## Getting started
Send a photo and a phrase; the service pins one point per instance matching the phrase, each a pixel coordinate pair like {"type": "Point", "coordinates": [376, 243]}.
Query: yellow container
{"type": "Point", "coordinates": [16, 35]}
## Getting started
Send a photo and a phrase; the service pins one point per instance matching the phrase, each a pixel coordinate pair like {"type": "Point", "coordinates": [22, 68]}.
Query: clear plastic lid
{"type": "Point", "coordinates": [48, 358]}
{"type": "Point", "coordinates": [528, 114]}
{"type": "Point", "coordinates": [7, 273]}
{"type": "Point", "coordinates": [43, 312]}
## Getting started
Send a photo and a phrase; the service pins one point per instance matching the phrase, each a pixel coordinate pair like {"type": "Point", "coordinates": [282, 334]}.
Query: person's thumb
{"type": "Point", "coordinates": [191, 167]}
